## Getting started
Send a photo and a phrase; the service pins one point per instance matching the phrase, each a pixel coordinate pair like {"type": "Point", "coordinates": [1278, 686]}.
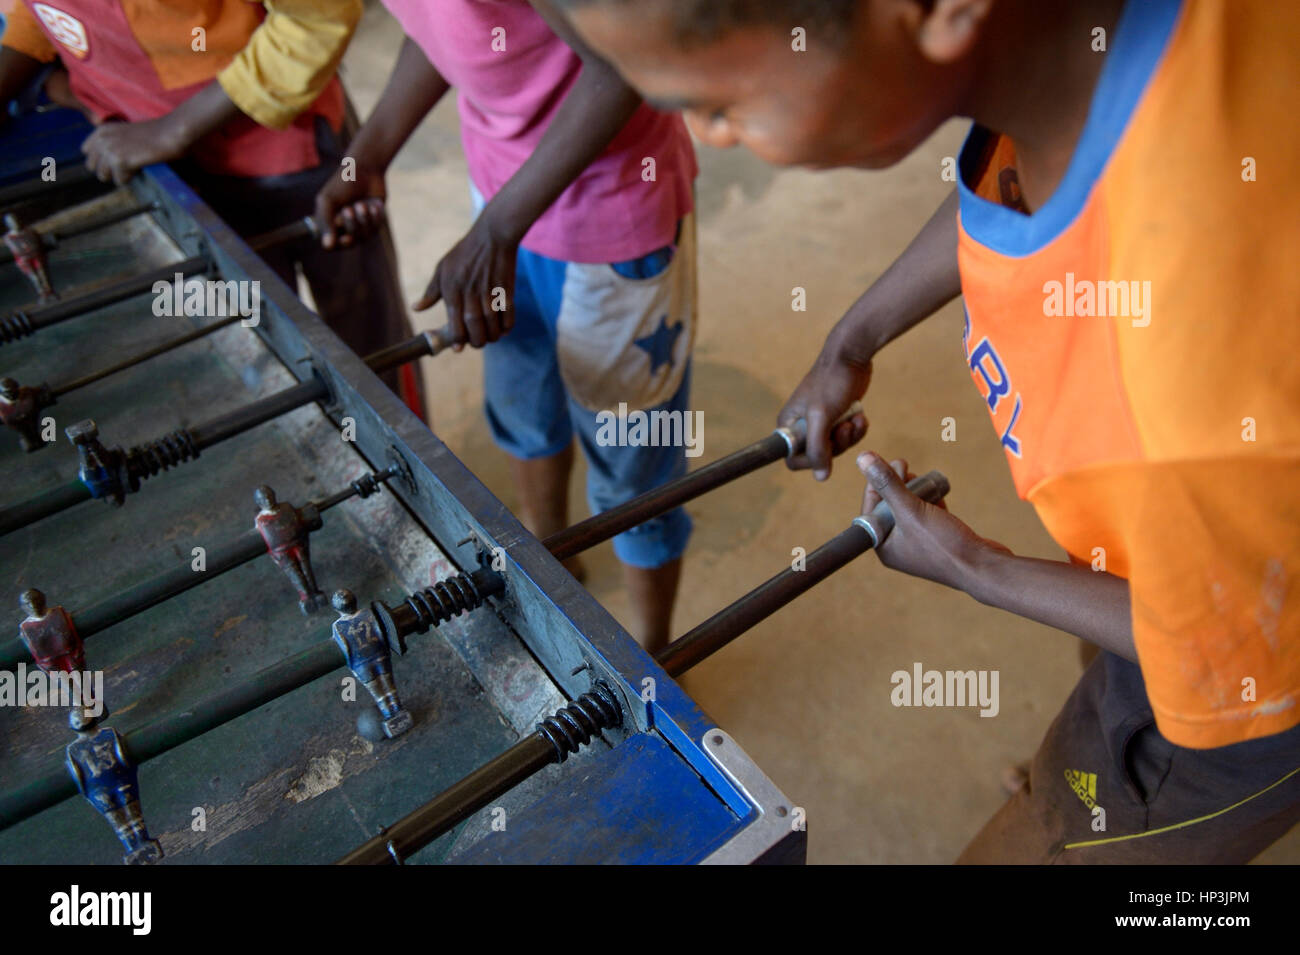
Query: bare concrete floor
{"type": "Point", "coordinates": [808, 692]}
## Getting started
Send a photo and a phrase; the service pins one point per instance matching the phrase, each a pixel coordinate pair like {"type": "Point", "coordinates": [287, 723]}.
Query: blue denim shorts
{"type": "Point", "coordinates": [590, 342]}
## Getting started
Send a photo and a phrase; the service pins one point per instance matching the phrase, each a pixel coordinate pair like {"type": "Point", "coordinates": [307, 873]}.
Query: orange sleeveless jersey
{"type": "Point", "coordinates": [1137, 341]}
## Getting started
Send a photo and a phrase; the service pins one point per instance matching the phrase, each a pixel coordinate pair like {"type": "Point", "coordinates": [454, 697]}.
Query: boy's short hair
{"type": "Point", "coordinates": [702, 21]}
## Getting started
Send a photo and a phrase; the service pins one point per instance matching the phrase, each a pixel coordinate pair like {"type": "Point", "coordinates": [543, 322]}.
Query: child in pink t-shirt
{"type": "Point", "coordinates": [579, 270]}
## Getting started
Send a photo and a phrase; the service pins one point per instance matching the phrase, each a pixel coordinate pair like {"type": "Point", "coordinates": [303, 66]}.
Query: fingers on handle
{"type": "Point", "coordinates": [887, 481]}
{"type": "Point", "coordinates": [324, 217]}
{"type": "Point", "coordinates": [848, 433]}
{"type": "Point", "coordinates": [817, 445]}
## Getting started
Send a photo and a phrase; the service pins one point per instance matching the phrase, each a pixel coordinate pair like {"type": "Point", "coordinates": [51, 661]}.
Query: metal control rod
{"type": "Point", "coordinates": [21, 323]}
{"type": "Point", "coordinates": [33, 399]}
{"type": "Point", "coordinates": [51, 239]}
{"type": "Point", "coordinates": [418, 613]}
{"type": "Point", "coordinates": [12, 197]}
{"type": "Point", "coordinates": [781, 443]}
{"type": "Point", "coordinates": [565, 732]}
{"type": "Point", "coordinates": [55, 785]}
{"type": "Point", "coordinates": [129, 468]}
{"type": "Point", "coordinates": [304, 228]}
{"type": "Point", "coordinates": [66, 387]}
{"type": "Point", "coordinates": [127, 603]}
{"type": "Point", "coordinates": [864, 534]}
{"type": "Point", "coordinates": [539, 749]}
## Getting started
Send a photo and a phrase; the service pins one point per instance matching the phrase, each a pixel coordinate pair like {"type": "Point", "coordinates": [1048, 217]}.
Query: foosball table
{"type": "Point", "coordinates": [260, 613]}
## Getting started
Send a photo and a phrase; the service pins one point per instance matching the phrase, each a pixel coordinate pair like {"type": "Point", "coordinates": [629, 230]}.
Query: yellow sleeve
{"type": "Point", "coordinates": [24, 34]}
{"type": "Point", "coordinates": [290, 58]}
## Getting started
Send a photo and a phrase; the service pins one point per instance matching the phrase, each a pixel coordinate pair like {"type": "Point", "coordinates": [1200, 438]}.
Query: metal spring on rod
{"type": "Point", "coordinates": [369, 483]}
{"type": "Point", "coordinates": [365, 485]}
{"type": "Point", "coordinates": [574, 725]}
{"type": "Point", "coordinates": [16, 326]}
{"type": "Point", "coordinates": [146, 460]}
{"type": "Point", "coordinates": [444, 600]}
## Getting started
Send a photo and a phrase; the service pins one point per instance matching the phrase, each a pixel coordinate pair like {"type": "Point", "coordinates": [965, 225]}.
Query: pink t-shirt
{"type": "Point", "coordinates": [512, 73]}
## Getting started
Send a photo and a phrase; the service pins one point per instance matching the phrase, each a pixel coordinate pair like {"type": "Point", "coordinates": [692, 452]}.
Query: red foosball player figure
{"type": "Point", "coordinates": [29, 255]}
{"type": "Point", "coordinates": [20, 409]}
{"type": "Point", "coordinates": [286, 530]}
{"type": "Point", "coordinates": [56, 646]}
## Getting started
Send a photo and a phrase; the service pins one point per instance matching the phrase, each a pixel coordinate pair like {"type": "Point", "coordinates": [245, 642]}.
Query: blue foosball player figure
{"type": "Point", "coordinates": [359, 636]}
{"type": "Point", "coordinates": [108, 780]}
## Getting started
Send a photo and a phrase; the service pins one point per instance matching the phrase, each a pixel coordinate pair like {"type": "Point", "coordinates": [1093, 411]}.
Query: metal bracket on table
{"type": "Point", "coordinates": [403, 473]}
{"type": "Point", "coordinates": [776, 816]}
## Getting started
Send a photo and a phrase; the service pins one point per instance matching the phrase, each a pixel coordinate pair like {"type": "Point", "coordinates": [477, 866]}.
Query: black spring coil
{"type": "Point", "coordinates": [16, 326]}
{"type": "Point", "coordinates": [574, 725]}
{"type": "Point", "coordinates": [444, 600]}
{"type": "Point", "coordinates": [146, 460]}
{"type": "Point", "coordinates": [365, 485]}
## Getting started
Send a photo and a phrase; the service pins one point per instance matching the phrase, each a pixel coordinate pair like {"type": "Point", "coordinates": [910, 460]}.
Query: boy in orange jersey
{"type": "Point", "coordinates": [1124, 233]}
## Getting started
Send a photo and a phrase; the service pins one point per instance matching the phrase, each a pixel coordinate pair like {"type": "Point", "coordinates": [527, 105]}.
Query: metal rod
{"type": "Point", "coordinates": [759, 604]}
{"type": "Point", "coordinates": [607, 524]}
{"type": "Point", "coordinates": [303, 228]}
{"type": "Point", "coordinates": [769, 597]}
{"type": "Point", "coordinates": [218, 429]}
{"type": "Point", "coordinates": [22, 192]}
{"type": "Point", "coordinates": [424, 345]}
{"type": "Point", "coordinates": [267, 685]}
{"type": "Point", "coordinates": [127, 603]}
{"type": "Point", "coordinates": [243, 419]}
{"type": "Point", "coordinates": [170, 731]}
{"type": "Point", "coordinates": [601, 527]}
{"type": "Point", "coordinates": [139, 598]}
{"type": "Point", "coordinates": [42, 506]}
{"type": "Point", "coordinates": [456, 804]}
{"type": "Point", "coordinates": [24, 322]}
{"type": "Point", "coordinates": [52, 238]}
{"type": "Point", "coordinates": [58, 391]}
{"type": "Point", "coordinates": [566, 731]}
{"type": "Point", "coordinates": [272, 406]}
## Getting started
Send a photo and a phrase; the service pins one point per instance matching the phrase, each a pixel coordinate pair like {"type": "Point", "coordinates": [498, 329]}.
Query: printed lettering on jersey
{"type": "Point", "coordinates": [66, 29]}
{"type": "Point", "coordinates": [994, 383]}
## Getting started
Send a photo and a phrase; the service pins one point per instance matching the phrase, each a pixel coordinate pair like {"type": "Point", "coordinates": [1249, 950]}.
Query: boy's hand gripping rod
{"type": "Point", "coordinates": [781, 443]}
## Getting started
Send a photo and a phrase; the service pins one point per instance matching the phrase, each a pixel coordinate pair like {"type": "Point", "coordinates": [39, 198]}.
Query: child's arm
{"type": "Point", "coordinates": [117, 150]}
{"type": "Point", "coordinates": [349, 209]}
{"type": "Point", "coordinates": [595, 111]}
{"type": "Point", "coordinates": [929, 542]}
{"type": "Point", "coordinates": [289, 59]}
{"type": "Point", "coordinates": [920, 282]}
{"type": "Point", "coordinates": [597, 107]}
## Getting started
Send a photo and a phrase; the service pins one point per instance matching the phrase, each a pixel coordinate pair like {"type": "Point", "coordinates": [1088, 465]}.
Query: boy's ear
{"type": "Point", "coordinates": [948, 30]}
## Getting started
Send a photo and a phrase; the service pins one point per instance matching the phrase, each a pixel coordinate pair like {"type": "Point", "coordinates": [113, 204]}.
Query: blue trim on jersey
{"type": "Point", "coordinates": [1135, 50]}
